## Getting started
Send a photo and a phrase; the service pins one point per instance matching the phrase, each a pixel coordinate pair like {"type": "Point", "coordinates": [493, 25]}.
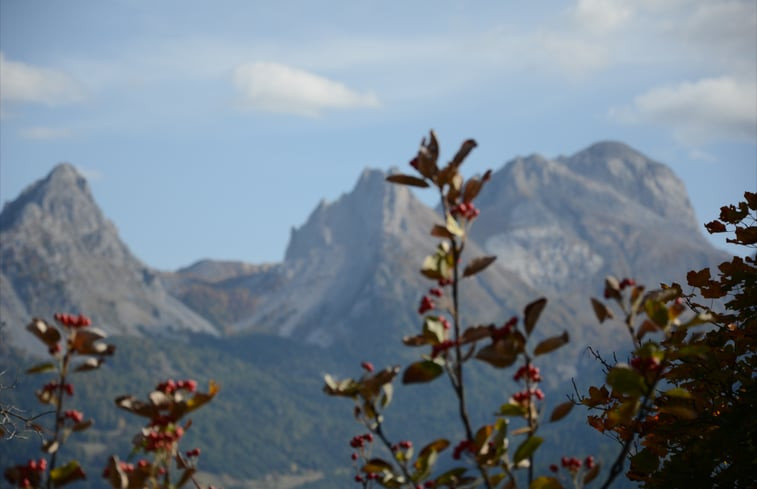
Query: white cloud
{"type": "Point", "coordinates": [40, 133]}
{"type": "Point", "coordinates": [26, 83]}
{"type": "Point", "coordinates": [576, 57]}
{"type": "Point", "coordinates": [601, 16]}
{"type": "Point", "coordinates": [710, 109]}
{"type": "Point", "coordinates": [278, 88]}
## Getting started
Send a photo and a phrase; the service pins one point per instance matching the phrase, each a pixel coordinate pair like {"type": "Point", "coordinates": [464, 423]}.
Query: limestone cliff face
{"type": "Point", "coordinates": [59, 253]}
{"type": "Point", "coordinates": [564, 224]}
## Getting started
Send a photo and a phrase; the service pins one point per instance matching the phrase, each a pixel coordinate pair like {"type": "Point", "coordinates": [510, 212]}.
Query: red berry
{"type": "Point", "coordinates": [553, 468]}
{"type": "Point", "coordinates": [368, 366]}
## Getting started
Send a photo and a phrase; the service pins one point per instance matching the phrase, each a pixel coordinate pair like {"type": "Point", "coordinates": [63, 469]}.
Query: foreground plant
{"type": "Point", "coordinates": [682, 406]}
{"type": "Point", "coordinates": [159, 440]}
{"type": "Point", "coordinates": [74, 346]}
{"type": "Point", "coordinates": [485, 449]}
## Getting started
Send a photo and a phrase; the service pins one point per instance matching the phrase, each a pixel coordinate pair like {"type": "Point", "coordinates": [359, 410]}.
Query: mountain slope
{"type": "Point", "coordinates": [564, 224]}
{"type": "Point", "coordinates": [59, 253]}
{"type": "Point", "coordinates": [351, 271]}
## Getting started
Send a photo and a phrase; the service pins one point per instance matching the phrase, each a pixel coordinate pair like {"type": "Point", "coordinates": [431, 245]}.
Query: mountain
{"type": "Point", "coordinates": [58, 253]}
{"type": "Point", "coordinates": [347, 290]}
{"type": "Point", "coordinates": [350, 273]}
{"type": "Point", "coordinates": [564, 224]}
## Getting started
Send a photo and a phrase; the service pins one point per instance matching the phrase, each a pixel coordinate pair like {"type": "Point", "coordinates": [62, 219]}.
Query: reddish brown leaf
{"type": "Point", "coordinates": [407, 180]}
{"type": "Point", "coordinates": [551, 344]}
{"type": "Point", "coordinates": [478, 264]}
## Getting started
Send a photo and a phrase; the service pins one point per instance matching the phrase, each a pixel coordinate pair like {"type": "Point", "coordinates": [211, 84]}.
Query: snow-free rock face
{"type": "Point", "coordinates": [59, 253]}
{"type": "Point", "coordinates": [564, 224]}
{"type": "Point", "coordinates": [352, 270]}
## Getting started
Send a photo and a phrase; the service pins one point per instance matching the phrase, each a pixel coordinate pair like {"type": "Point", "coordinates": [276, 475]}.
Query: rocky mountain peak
{"type": "Point", "coordinates": [63, 196]}
{"type": "Point", "coordinates": [58, 253]}
{"type": "Point", "coordinates": [637, 177]}
{"type": "Point", "coordinates": [374, 206]}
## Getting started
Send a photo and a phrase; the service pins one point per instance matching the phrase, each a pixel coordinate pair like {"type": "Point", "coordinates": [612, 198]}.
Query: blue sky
{"type": "Point", "coordinates": [209, 129]}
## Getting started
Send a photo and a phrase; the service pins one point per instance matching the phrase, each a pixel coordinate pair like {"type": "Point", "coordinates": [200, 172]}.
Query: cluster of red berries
{"type": "Point", "coordinates": [157, 440]}
{"type": "Point", "coordinates": [442, 347]}
{"type": "Point", "coordinates": [435, 291]}
{"type": "Point", "coordinates": [644, 365]}
{"type": "Point", "coordinates": [530, 372]}
{"type": "Point", "coordinates": [75, 416]}
{"type": "Point", "coordinates": [523, 395]}
{"type": "Point", "coordinates": [443, 282]}
{"type": "Point", "coordinates": [445, 322]}
{"type": "Point", "coordinates": [573, 464]}
{"type": "Point", "coordinates": [53, 386]}
{"type": "Point", "coordinates": [506, 329]}
{"type": "Point", "coordinates": [463, 446]}
{"type": "Point", "coordinates": [367, 366]}
{"type": "Point", "coordinates": [467, 210]}
{"type": "Point", "coordinates": [370, 476]}
{"type": "Point", "coordinates": [402, 445]}
{"type": "Point", "coordinates": [359, 441]}
{"type": "Point", "coordinates": [170, 386]}
{"type": "Point", "coordinates": [426, 305]}
{"type": "Point", "coordinates": [195, 452]}
{"type": "Point", "coordinates": [129, 468]}
{"type": "Point", "coordinates": [627, 282]}
{"type": "Point", "coordinates": [72, 321]}
{"type": "Point", "coordinates": [30, 472]}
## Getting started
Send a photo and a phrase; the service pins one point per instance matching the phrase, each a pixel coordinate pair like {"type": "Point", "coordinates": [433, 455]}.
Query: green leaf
{"type": "Point", "coordinates": [527, 448]}
{"type": "Point", "coordinates": [560, 411]}
{"type": "Point", "coordinates": [551, 344]}
{"type": "Point", "coordinates": [625, 380]}
{"type": "Point", "coordinates": [678, 392]}
{"type": "Point", "coordinates": [601, 310]}
{"type": "Point", "coordinates": [512, 409]}
{"type": "Point", "coordinates": [407, 180]}
{"type": "Point", "coordinates": [477, 265]}
{"type": "Point", "coordinates": [452, 476]}
{"type": "Point", "coordinates": [424, 371]}
{"type": "Point", "coordinates": [657, 312]}
{"type": "Point", "coordinates": [532, 312]}
{"type": "Point", "coordinates": [65, 474]}
{"type": "Point", "coordinates": [701, 318]}
{"type": "Point", "coordinates": [681, 412]}
{"type": "Point", "coordinates": [545, 482]}
{"type": "Point", "coordinates": [41, 368]}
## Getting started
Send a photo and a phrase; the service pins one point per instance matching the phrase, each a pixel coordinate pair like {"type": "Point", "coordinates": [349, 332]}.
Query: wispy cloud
{"type": "Point", "coordinates": [26, 83]}
{"type": "Point", "coordinates": [40, 133]}
{"type": "Point", "coordinates": [709, 109]}
{"type": "Point", "coordinates": [601, 16]}
{"type": "Point", "coordinates": [279, 88]}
